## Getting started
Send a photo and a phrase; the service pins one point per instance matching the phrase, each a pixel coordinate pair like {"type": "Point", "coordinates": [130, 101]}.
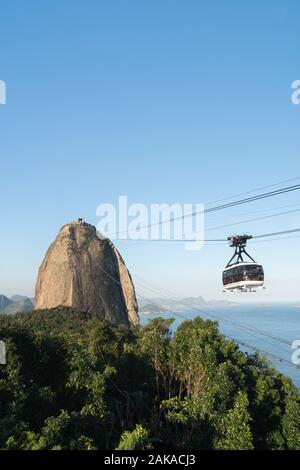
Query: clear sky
{"type": "Point", "coordinates": [162, 101]}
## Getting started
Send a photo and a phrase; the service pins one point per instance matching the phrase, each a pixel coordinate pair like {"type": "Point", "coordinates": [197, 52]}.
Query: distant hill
{"type": "Point", "coordinates": [16, 304]}
{"type": "Point", "coordinates": [4, 302]}
{"type": "Point", "coordinates": [160, 305]}
{"type": "Point", "coordinates": [17, 298]}
{"type": "Point", "coordinates": [151, 309]}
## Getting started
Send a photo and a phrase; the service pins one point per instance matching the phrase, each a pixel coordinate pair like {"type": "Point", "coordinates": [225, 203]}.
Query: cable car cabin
{"type": "Point", "coordinates": [243, 277]}
{"type": "Point", "coordinates": [240, 275]}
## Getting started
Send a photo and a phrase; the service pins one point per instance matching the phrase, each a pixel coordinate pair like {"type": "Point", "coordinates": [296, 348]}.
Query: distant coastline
{"type": "Point", "coordinates": [159, 306]}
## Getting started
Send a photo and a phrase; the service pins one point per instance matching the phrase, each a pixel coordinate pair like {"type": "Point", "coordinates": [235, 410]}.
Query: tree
{"type": "Point", "coordinates": [233, 429]}
{"type": "Point", "coordinates": [73, 381]}
{"type": "Point", "coordinates": [138, 439]}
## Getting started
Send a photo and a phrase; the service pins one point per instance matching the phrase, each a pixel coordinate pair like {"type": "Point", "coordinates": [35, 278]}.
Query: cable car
{"type": "Point", "coordinates": [242, 273]}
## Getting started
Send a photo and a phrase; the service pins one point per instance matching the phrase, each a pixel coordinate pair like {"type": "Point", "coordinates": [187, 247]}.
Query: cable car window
{"type": "Point", "coordinates": [243, 273]}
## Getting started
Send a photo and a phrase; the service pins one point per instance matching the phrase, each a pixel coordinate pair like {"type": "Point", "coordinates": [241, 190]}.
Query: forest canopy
{"type": "Point", "coordinates": [73, 381]}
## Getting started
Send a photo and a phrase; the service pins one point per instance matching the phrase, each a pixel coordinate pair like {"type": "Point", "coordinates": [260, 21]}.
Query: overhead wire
{"type": "Point", "coordinates": [212, 315]}
{"type": "Point", "coordinates": [261, 188]}
{"type": "Point", "coordinates": [252, 331]}
{"type": "Point", "coordinates": [283, 232]}
{"type": "Point", "coordinates": [277, 192]}
{"type": "Point", "coordinates": [218, 316]}
{"type": "Point", "coordinates": [241, 327]}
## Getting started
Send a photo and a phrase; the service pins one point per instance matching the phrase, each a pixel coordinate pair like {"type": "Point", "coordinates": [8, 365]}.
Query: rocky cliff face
{"type": "Point", "coordinates": [84, 271]}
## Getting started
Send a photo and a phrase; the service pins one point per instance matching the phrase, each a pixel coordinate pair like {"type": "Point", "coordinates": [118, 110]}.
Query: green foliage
{"type": "Point", "coordinates": [233, 429]}
{"type": "Point", "coordinates": [138, 439]}
{"type": "Point", "coordinates": [73, 381]}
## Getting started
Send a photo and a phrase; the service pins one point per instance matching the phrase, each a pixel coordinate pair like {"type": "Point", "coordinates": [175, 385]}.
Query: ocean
{"type": "Point", "coordinates": [271, 329]}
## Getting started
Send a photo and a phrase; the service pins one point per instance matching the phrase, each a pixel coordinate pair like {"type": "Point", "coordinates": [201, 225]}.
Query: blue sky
{"type": "Point", "coordinates": [162, 101]}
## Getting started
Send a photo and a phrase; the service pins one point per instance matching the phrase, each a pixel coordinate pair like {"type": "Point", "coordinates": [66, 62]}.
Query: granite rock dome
{"type": "Point", "coordinates": [84, 270]}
